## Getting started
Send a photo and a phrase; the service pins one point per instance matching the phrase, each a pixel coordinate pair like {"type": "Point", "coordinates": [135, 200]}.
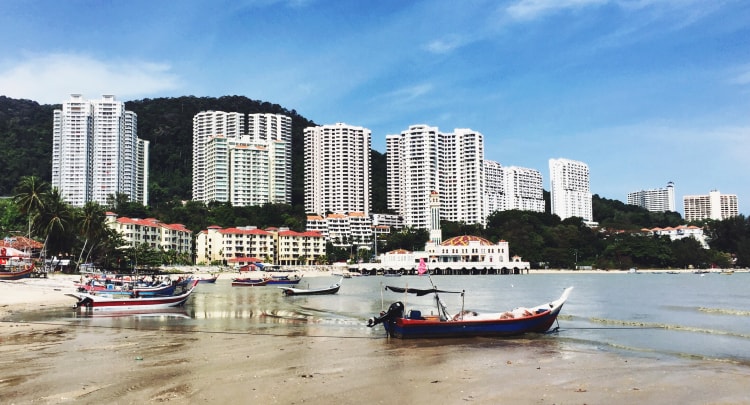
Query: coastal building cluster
{"type": "Point", "coordinates": [246, 160]}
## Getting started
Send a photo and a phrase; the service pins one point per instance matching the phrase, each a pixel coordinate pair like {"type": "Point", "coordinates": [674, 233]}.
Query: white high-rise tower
{"type": "Point", "coordinates": [422, 160]}
{"type": "Point", "coordinates": [96, 152]}
{"type": "Point", "coordinates": [252, 167]}
{"type": "Point", "coordinates": [570, 192]}
{"type": "Point", "coordinates": [337, 169]}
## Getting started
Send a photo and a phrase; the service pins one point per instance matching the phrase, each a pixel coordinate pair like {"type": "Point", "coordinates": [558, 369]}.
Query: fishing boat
{"type": "Point", "coordinates": [126, 288]}
{"type": "Point", "coordinates": [13, 265]}
{"type": "Point", "coordinates": [208, 280]}
{"type": "Point", "coordinates": [285, 279]}
{"type": "Point", "coordinates": [413, 324]}
{"type": "Point", "coordinates": [102, 301]}
{"type": "Point", "coordinates": [245, 282]}
{"type": "Point", "coordinates": [333, 289]}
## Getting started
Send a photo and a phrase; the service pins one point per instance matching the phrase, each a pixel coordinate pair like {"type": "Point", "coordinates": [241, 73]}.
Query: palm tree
{"type": "Point", "coordinates": [30, 195]}
{"type": "Point", "coordinates": [56, 220]}
{"type": "Point", "coordinates": [92, 227]}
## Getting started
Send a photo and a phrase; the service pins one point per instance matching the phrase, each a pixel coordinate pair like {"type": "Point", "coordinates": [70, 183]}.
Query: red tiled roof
{"type": "Point", "coordinates": [464, 240]}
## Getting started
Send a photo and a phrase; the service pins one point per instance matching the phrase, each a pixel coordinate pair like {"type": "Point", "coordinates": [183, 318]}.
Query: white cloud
{"type": "Point", "coordinates": [443, 46]}
{"type": "Point", "coordinates": [531, 9]}
{"type": "Point", "coordinates": [411, 93]}
{"type": "Point", "coordinates": [50, 79]}
{"type": "Point", "coordinates": [742, 77]}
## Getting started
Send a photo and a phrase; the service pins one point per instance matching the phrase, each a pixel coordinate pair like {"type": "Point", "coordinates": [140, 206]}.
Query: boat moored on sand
{"type": "Point", "coordinates": [99, 301]}
{"type": "Point", "coordinates": [333, 289]}
{"type": "Point", "coordinates": [412, 324]}
{"type": "Point", "coordinates": [14, 266]}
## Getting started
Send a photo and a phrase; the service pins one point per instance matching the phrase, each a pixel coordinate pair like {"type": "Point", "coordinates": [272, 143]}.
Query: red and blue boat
{"type": "Point", "coordinates": [413, 324]}
{"type": "Point", "coordinates": [249, 282]}
{"type": "Point", "coordinates": [13, 265]}
{"type": "Point", "coordinates": [103, 301]}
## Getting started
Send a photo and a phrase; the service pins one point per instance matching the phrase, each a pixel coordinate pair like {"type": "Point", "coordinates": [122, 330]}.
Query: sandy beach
{"type": "Point", "coordinates": [50, 363]}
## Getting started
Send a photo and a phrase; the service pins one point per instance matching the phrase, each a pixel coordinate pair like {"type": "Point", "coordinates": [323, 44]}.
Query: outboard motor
{"type": "Point", "coordinates": [396, 310]}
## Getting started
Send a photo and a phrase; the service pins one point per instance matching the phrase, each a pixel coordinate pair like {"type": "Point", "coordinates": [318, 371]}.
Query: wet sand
{"type": "Point", "coordinates": [57, 363]}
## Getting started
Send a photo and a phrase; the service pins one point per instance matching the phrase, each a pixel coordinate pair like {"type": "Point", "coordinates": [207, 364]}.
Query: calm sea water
{"type": "Point", "coordinates": [645, 314]}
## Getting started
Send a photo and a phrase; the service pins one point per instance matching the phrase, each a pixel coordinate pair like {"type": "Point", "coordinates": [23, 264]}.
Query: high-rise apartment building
{"type": "Point", "coordinates": [512, 188]}
{"type": "Point", "coordinates": [570, 192]}
{"type": "Point", "coordinates": [413, 173]}
{"type": "Point", "coordinates": [243, 167]}
{"type": "Point", "coordinates": [210, 154]}
{"type": "Point", "coordinates": [654, 200]}
{"type": "Point", "coordinates": [422, 160]}
{"type": "Point", "coordinates": [461, 177]}
{"type": "Point", "coordinates": [712, 206]}
{"type": "Point", "coordinates": [96, 152]}
{"type": "Point", "coordinates": [337, 169]}
{"type": "Point", "coordinates": [494, 192]}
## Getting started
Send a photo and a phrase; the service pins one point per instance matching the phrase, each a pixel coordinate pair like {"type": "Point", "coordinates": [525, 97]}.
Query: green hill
{"type": "Point", "coordinates": [26, 136]}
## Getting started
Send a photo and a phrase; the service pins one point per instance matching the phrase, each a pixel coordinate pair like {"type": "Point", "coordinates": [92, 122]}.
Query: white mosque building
{"type": "Point", "coordinates": [464, 254]}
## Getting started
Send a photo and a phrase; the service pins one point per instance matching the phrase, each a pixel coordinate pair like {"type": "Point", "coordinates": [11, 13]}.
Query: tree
{"type": "Point", "coordinates": [92, 227]}
{"type": "Point", "coordinates": [55, 220]}
{"type": "Point", "coordinates": [30, 195]}
{"type": "Point", "coordinates": [11, 219]}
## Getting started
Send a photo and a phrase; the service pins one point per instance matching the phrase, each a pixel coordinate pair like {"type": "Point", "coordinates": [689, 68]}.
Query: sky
{"type": "Point", "coordinates": [643, 91]}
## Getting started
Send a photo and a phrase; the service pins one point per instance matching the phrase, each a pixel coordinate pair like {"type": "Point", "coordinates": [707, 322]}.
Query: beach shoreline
{"type": "Point", "coordinates": [62, 362]}
{"type": "Point", "coordinates": [39, 293]}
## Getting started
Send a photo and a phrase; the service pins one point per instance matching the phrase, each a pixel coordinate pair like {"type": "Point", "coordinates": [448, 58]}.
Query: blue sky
{"type": "Point", "coordinates": [643, 91]}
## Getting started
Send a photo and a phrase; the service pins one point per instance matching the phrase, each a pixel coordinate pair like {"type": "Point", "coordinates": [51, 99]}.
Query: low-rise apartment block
{"type": "Point", "coordinates": [154, 233]}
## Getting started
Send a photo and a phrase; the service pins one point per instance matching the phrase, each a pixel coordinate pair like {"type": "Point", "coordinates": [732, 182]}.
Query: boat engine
{"type": "Point", "coordinates": [396, 310]}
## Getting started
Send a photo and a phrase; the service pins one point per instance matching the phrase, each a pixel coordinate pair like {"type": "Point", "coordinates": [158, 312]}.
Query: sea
{"type": "Point", "coordinates": [651, 314]}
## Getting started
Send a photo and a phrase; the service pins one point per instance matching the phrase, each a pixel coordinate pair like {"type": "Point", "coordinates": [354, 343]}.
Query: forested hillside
{"type": "Point", "coordinates": [25, 141]}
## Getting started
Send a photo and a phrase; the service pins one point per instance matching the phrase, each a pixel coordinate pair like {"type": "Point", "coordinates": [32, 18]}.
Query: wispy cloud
{"type": "Point", "coordinates": [741, 76]}
{"type": "Point", "coordinates": [531, 9]}
{"type": "Point", "coordinates": [444, 45]}
{"type": "Point", "coordinates": [408, 94]}
{"type": "Point", "coordinates": [50, 79]}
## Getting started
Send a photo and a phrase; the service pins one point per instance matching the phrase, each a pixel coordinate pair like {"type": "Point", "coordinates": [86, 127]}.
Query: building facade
{"type": "Point", "coordinates": [413, 173]}
{"type": "Point", "coordinates": [154, 233]}
{"type": "Point", "coordinates": [422, 160]}
{"type": "Point", "coordinates": [239, 166]}
{"type": "Point", "coordinates": [714, 205]}
{"type": "Point", "coordinates": [337, 169]}
{"type": "Point", "coordinates": [250, 244]}
{"type": "Point", "coordinates": [96, 153]}
{"type": "Point", "coordinates": [570, 192]}
{"type": "Point", "coordinates": [654, 200]}
{"type": "Point", "coordinates": [680, 232]}
{"type": "Point", "coordinates": [463, 254]}
{"type": "Point", "coordinates": [512, 188]}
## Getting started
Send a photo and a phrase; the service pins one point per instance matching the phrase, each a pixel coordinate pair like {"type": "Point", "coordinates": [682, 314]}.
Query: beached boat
{"type": "Point", "coordinates": [102, 301]}
{"type": "Point", "coordinates": [333, 289]}
{"type": "Point", "coordinates": [285, 279]}
{"type": "Point", "coordinates": [13, 265]}
{"type": "Point", "coordinates": [246, 282]}
{"type": "Point", "coordinates": [97, 286]}
{"type": "Point", "coordinates": [208, 280]}
{"type": "Point", "coordinates": [412, 324]}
